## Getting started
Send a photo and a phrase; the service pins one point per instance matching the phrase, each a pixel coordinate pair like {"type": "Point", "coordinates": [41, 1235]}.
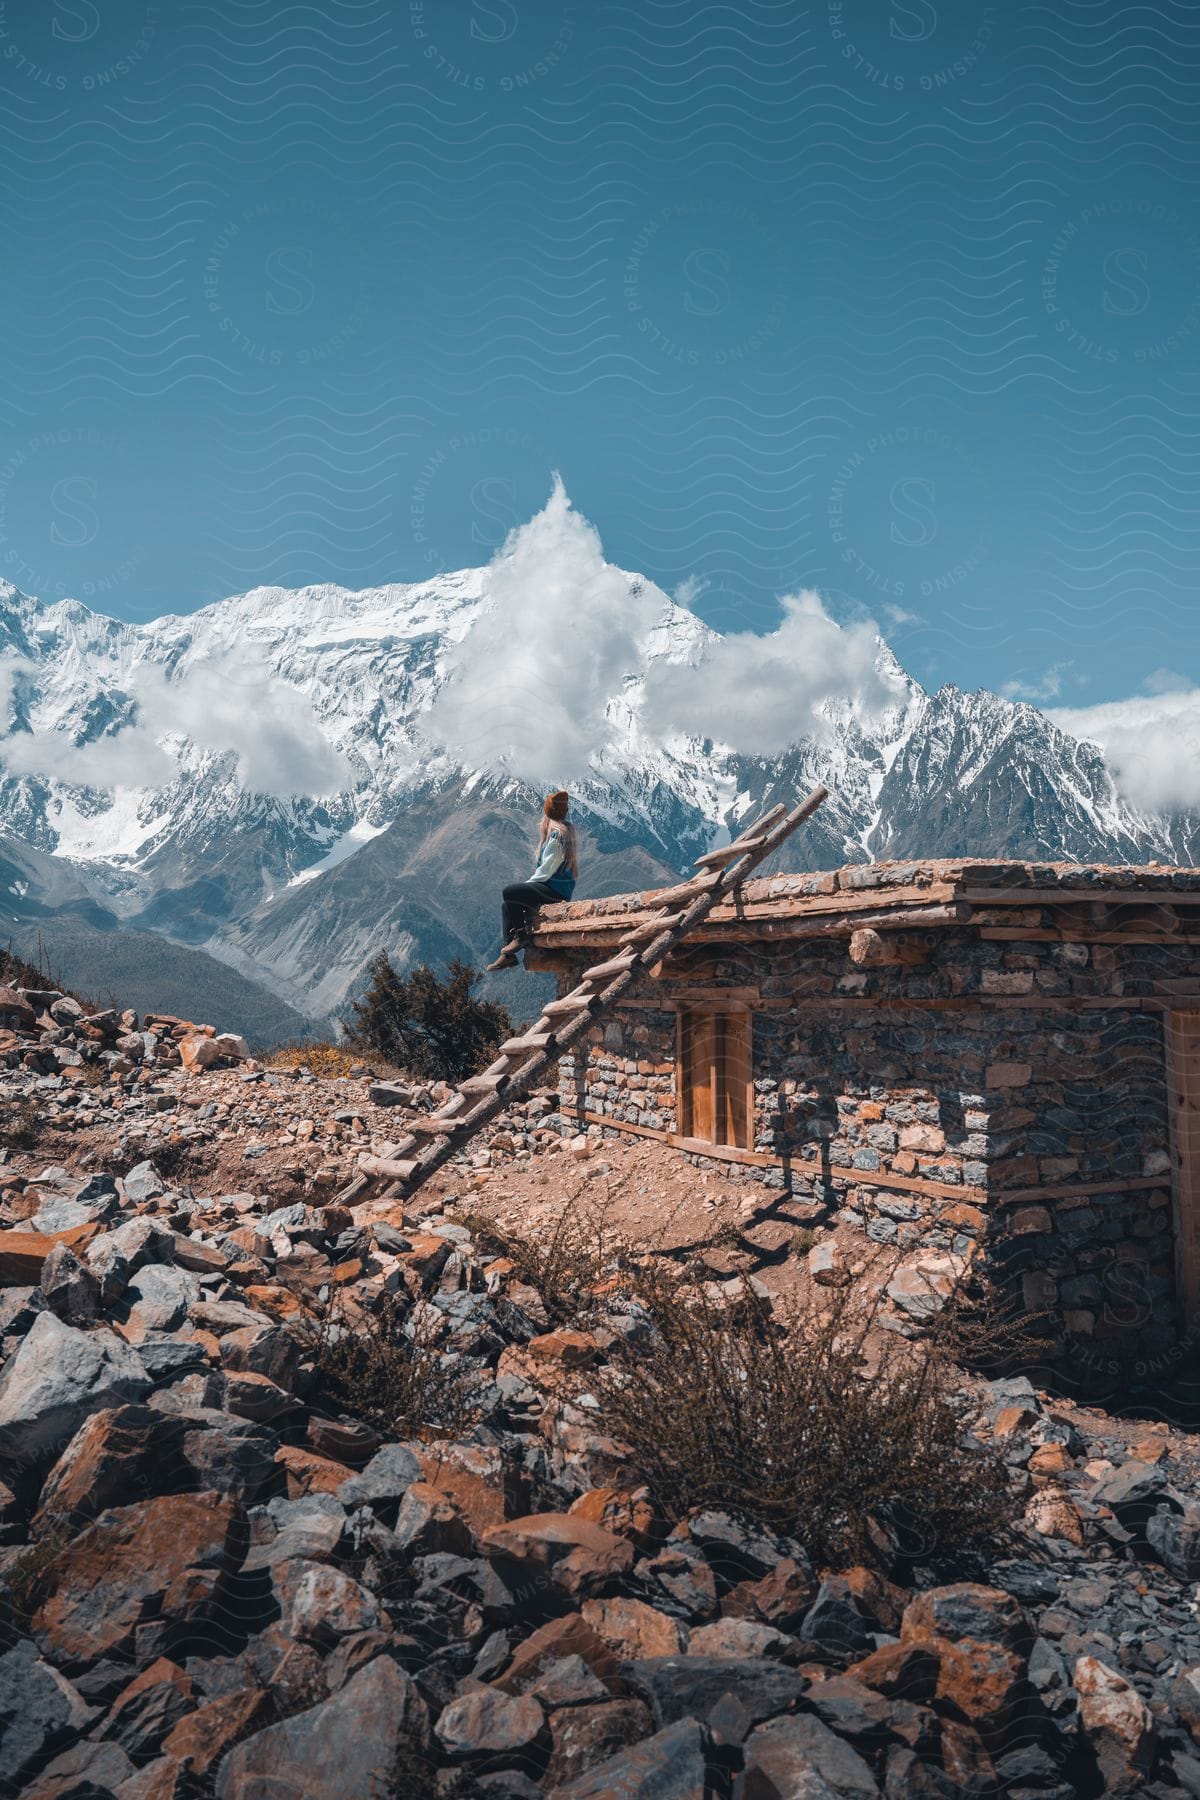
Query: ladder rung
{"type": "Point", "coordinates": [431, 1126]}
{"type": "Point", "coordinates": [568, 1005]}
{"type": "Point", "coordinates": [616, 965]}
{"type": "Point", "coordinates": [387, 1167]}
{"type": "Point", "coordinates": [534, 1040]}
{"type": "Point", "coordinates": [651, 928]}
{"type": "Point", "coordinates": [770, 817]}
{"type": "Point", "coordinates": [483, 1084]}
{"type": "Point", "coordinates": [717, 859]}
{"type": "Point", "coordinates": [686, 891]}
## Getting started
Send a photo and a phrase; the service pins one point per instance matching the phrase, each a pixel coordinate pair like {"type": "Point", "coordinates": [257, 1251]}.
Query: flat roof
{"type": "Point", "coordinates": [934, 892]}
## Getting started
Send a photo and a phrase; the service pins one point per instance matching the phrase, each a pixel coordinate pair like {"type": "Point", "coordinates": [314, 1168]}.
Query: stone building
{"type": "Point", "coordinates": [945, 1055]}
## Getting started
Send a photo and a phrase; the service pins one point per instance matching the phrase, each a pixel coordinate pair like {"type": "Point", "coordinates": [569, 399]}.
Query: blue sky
{"type": "Point", "coordinates": [893, 299]}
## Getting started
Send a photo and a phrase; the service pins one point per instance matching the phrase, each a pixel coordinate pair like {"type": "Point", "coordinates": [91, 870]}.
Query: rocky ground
{"type": "Point", "coordinates": [216, 1582]}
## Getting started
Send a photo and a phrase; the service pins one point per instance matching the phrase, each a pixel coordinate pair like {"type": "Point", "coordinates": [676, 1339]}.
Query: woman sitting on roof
{"type": "Point", "coordinates": [552, 879]}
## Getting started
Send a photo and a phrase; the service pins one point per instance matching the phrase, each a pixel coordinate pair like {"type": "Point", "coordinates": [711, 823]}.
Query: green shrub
{"type": "Point", "coordinates": [433, 1028]}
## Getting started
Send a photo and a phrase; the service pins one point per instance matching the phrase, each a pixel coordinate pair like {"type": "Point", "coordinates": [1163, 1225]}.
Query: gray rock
{"type": "Point", "coordinates": [70, 1289]}
{"type": "Point", "coordinates": [835, 1623]}
{"type": "Point", "coordinates": [320, 1604]}
{"type": "Point", "coordinates": [671, 1765]}
{"type": "Point", "coordinates": [676, 1687]}
{"type": "Point", "coordinates": [143, 1241]}
{"type": "Point", "coordinates": [40, 1712]}
{"type": "Point", "coordinates": [800, 1757]}
{"type": "Point", "coordinates": [87, 1769]}
{"type": "Point", "coordinates": [143, 1182]}
{"type": "Point", "coordinates": [166, 1357]}
{"type": "Point", "coordinates": [159, 1296]}
{"type": "Point", "coordinates": [1175, 1537]}
{"type": "Point", "coordinates": [365, 1740]}
{"type": "Point", "coordinates": [110, 1265]}
{"type": "Point", "coordinates": [227, 1454]}
{"type": "Point", "coordinates": [385, 1480]}
{"type": "Point", "coordinates": [58, 1377]}
{"type": "Point", "coordinates": [59, 1213]}
{"type": "Point", "coordinates": [1133, 1484]}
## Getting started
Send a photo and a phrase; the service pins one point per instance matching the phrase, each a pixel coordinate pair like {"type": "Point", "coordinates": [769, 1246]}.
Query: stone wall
{"type": "Point", "coordinates": [1038, 1130]}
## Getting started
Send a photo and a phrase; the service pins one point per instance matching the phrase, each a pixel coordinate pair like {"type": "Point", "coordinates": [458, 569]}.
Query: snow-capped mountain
{"type": "Point", "coordinates": [170, 766]}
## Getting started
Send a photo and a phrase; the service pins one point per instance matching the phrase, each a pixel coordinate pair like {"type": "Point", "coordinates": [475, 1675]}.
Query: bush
{"type": "Point", "coordinates": [390, 1374]}
{"type": "Point", "coordinates": [434, 1028]}
{"type": "Point", "coordinates": [861, 1459]}
{"type": "Point", "coordinates": [566, 1265]}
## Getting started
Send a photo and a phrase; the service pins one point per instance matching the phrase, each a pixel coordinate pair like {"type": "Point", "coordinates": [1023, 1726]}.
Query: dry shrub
{"type": "Point", "coordinates": [566, 1264]}
{"type": "Point", "coordinates": [861, 1450]}
{"type": "Point", "coordinates": [20, 1124]}
{"type": "Point", "coordinates": [390, 1373]}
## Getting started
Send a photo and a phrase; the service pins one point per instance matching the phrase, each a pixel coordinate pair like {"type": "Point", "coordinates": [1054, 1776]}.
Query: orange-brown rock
{"type": "Point", "coordinates": [965, 1758]}
{"type": "Point", "coordinates": [168, 1556]}
{"type": "Point", "coordinates": [145, 1711]}
{"type": "Point", "coordinates": [308, 1473]}
{"type": "Point", "coordinates": [982, 1682]}
{"type": "Point", "coordinates": [631, 1629]}
{"type": "Point", "coordinates": [570, 1349]}
{"type": "Point", "coordinates": [1118, 1723]}
{"type": "Point", "coordinates": [626, 1515]}
{"type": "Point", "coordinates": [569, 1635]}
{"type": "Point", "coordinates": [576, 1556]}
{"type": "Point", "coordinates": [478, 1500]}
{"type": "Point", "coordinates": [114, 1454]}
{"type": "Point", "coordinates": [880, 1599]}
{"type": "Point", "coordinates": [200, 1740]}
{"type": "Point", "coordinates": [968, 1610]}
{"type": "Point", "coordinates": [1012, 1419]}
{"type": "Point", "coordinates": [22, 1253]}
{"type": "Point", "coordinates": [1049, 1460]}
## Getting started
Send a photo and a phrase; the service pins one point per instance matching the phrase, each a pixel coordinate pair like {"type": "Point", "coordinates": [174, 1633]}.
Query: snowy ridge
{"type": "Point", "coordinates": [272, 879]}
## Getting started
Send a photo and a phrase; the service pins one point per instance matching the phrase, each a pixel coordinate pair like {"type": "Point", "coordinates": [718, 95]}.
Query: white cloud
{"type": "Point", "coordinates": [1046, 686]}
{"type": "Point", "coordinates": [760, 693]}
{"type": "Point", "coordinates": [528, 686]}
{"type": "Point", "coordinates": [269, 726]}
{"type": "Point", "coordinates": [1151, 742]}
{"type": "Point", "coordinates": [689, 589]}
{"type": "Point", "coordinates": [236, 706]}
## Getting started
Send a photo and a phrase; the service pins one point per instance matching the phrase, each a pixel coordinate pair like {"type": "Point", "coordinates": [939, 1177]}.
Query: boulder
{"type": "Point", "coordinates": [780, 1599]}
{"type": "Point", "coordinates": [583, 1736]}
{"type": "Point", "coordinates": [968, 1610]}
{"type": "Point", "coordinates": [737, 1638]}
{"type": "Point", "coordinates": [384, 1482]}
{"type": "Point", "coordinates": [23, 1253]}
{"type": "Point", "coordinates": [567, 1635]}
{"type": "Point", "coordinates": [145, 1711]}
{"type": "Point", "coordinates": [201, 1738]}
{"type": "Point", "coordinates": [568, 1553]}
{"type": "Point", "coordinates": [631, 1629]}
{"type": "Point", "coordinates": [902, 1671]}
{"type": "Point", "coordinates": [69, 1288]}
{"type": "Point", "coordinates": [199, 1053]}
{"type": "Point", "coordinates": [784, 1755]}
{"type": "Point", "coordinates": [40, 1712]}
{"type": "Point", "coordinates": [320, 1604]}
{"type": "Point", "coordinates": [490, 1724]}
{"type": "Point", "coordinates": [114, 1454]}
{"type": "Point", "coordinates": [1175, 1539]}
{"type": "Point", "coordinates": [159, 1296]}
{"type": "Point", "coordinates": [166, 1558]}
{"type": "Point", "coordinates": [86, 1769]}
{"type": "Point", "coordinates": [671, 1765]}
{"type": "Point", "coordinates": [367, 1739]}
{"type": "Point", "coordinates": [57, 1378]}
{"type": "Point", "coordinates": [674, 1687]}
{"type": "Point", "coordinates": [835, 1622]}
{"type": "Point", "coordinates": [1118, 1725]}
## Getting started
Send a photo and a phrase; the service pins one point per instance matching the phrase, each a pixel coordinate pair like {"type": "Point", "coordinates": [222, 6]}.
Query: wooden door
{"type": "Point", "coordinates": [713, 1075]}
{"type": "Point", "coordinates": [1182, 1033]}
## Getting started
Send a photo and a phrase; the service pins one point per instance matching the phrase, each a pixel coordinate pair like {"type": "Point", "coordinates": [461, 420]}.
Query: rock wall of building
{"type": "Point", "coordinates": [1020, 1112]}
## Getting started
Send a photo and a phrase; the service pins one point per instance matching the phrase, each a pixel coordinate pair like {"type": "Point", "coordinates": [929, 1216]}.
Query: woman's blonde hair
{"type": "Point", "coordinates": [554, 818]}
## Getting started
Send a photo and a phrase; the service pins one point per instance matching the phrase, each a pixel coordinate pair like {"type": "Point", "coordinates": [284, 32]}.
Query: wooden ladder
{"type": "Point", "coordinates": [524, 1060]}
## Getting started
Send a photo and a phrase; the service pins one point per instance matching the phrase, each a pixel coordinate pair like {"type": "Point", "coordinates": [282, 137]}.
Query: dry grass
{"type": "Point", "coordinates": [578, 1254]}
{"type": "Point", "coordinates": [857, 1447]}
{"type": "Point", "coordinates": [325, 1059]}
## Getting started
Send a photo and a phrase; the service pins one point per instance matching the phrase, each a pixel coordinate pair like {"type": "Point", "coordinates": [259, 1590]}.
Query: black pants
{"type": "Point", "coordinates": [521, 901]}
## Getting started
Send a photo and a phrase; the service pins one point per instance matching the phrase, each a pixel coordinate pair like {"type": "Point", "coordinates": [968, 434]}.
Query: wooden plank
{"type": "Point", "coordinates": [484, 1084]}
{"type": "Point", "coordinates": [616, 965]}
{"type": "Point", "coordinates": [521, 1046]}
{"type": "Point", "coordinates": [1076, 1190]}
{"type": "Point", "coordinates": [1182, 1049]}
{"type": "Point", "coordinates": [387, 1167]}
{"type": "Point", "coordinates": [1027, 896]}
{"type": "Point", "coordinates": [1026, 934]}
{"type": "Point", "coordinates": [429, 1125]}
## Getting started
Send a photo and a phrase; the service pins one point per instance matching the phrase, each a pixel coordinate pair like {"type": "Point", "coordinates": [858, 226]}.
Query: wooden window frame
{"type": "Point", "coordinates": [727, 1125]}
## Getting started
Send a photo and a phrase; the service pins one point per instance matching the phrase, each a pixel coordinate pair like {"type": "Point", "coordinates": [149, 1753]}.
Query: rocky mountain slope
{"type": "Point", "coordinates": [158, 778]}
{"type": "Point", "coordinates": [220, 1576]}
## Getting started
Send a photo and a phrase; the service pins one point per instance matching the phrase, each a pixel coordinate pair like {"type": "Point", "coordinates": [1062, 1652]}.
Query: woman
{"type": "Point", "coordinates": [552, 879]}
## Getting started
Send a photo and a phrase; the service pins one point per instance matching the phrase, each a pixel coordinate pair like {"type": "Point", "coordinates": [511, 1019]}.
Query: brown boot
{"type": "Point", "coordinates": [505, 960]}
